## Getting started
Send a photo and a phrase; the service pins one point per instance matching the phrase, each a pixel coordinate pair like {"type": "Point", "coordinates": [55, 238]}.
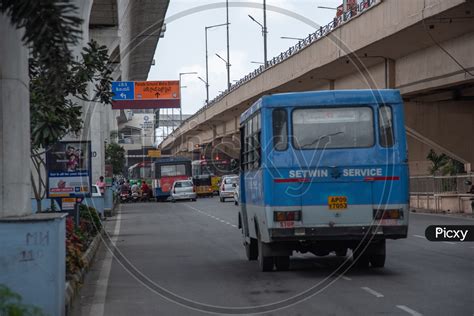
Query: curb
{"type": "Point", "coordinates": [447, 214]}
{"type": "Point", "coordinates": [73, 285]}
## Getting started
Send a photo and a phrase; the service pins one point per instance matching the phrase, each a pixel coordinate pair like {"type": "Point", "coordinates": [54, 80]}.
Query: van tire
{"type": "Point", "coordinates": [251, 250]}
{"type": "Point", "coordinates": [377, 261]}
{"type": "Point", "coordinates": [265, 263]}
{"type": "Point", "coordinates": [377, 255]}
{"type": "Point", "coordinates": [360, 257]}
{"type": "Point", "coordinates": [282, 263]}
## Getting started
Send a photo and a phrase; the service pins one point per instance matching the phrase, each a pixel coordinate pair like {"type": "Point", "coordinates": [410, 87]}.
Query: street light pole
{"type": "Point", "coordinates": [228, 54]}
{"type": "Point", "coordinates": [181, 96]}
{"type": "Point", "coordinates": [207, 85]}
{"type": "Point", "coordinates": [265, 31]}
{"type": "Point", "coordinates": [207, 57]}
{"type": "Point", "coordinates": [220, 57]}
{"type": "Point", "coordinates": [292, 38]}
{"type": "Point", "coordinates": [207, 69]}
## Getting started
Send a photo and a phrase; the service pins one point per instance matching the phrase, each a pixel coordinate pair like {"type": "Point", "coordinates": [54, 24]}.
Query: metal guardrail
{"type": "Point", "coordinates": [440, 184]}
{"type": "Point", "coordinates": [313, 37]}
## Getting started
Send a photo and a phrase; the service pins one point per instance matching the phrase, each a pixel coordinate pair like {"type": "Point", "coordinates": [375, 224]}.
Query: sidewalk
{"type": "Point", "coordinates": [449, 214]}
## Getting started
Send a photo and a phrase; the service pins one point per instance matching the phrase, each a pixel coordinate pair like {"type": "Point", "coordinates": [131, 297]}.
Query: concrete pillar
{"type": "Point", "coordinates": [15, 183]}
{"type": "Point", "coordinates": [32, 257]}
{"type": "Point", "coordinates": [97, 131]}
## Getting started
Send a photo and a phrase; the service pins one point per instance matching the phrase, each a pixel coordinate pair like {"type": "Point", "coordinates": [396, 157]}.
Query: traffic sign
{"type": "Point", "coordinates": [123, 90]}
{"type": "Point", "coordinates": [154, 153]}
{"type": "Point", "coordinates": [145, 94]}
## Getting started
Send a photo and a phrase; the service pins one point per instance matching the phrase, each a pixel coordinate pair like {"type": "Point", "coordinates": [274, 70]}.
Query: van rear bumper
{"type": "Point", "coordinates": [338, 233]}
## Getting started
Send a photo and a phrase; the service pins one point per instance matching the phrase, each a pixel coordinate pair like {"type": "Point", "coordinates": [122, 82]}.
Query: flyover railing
{"type": "Point", "coordinates": [321, 32]}
{"type": "Point", "coordinates": [430, 185]}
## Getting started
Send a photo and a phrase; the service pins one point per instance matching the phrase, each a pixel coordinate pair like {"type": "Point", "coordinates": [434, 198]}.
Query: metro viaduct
{"type": "Point", "coordinates": [424, 48]}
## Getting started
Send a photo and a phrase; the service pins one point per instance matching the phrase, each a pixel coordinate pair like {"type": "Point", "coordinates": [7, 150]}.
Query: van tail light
{"type": "Point", "coordinates": [388, 214]}
{"type": "Point", "coordinates": [283, 216]}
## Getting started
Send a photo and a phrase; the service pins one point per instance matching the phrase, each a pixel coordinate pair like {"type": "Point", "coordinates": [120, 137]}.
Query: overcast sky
{"type": "Point", "coordinates": [183, 47]}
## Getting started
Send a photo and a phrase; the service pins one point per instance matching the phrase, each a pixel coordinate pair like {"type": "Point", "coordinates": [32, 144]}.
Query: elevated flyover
{"type": "Point", "coordinates": [424, 48]}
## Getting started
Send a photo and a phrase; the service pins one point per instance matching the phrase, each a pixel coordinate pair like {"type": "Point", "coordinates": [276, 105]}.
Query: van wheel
{"type": "Point", "coordinates": [282, 263]}
{"type": "Point", "coordinates": [173, 201]}
{"type": "Point", "coordinates": [265, 263]}
{"type": "Point", "coordinates": [377, 255]}
{"type": "Point", "coordinates": [222, 199]}
{"type": "Point", "coordinates": [251, 250]}
{"type": "Point", "coordinates": [377, 261]}
{"type": "Point", "coordinates": [236, 203]}
{"type": "Point", "coordinates": [360, 257]}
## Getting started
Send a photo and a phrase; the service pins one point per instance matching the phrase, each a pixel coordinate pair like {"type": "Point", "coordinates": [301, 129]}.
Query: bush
{"type": "Point", "coordinates": [74, 249]}
{"type": "Point", "coordinates": [79, 238]}
{"type": "Point", "coordinates": [11, 304]}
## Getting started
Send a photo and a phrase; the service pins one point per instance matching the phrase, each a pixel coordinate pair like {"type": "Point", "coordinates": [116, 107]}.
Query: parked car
{"type": "Point", "coordinates": [236, 194]}
{"type": "Point", "coordinates": [227, 187]}
{"type": "Point", "coordinates": [95, 191]}
{"type": "Point", "coordinates": [183, 190]}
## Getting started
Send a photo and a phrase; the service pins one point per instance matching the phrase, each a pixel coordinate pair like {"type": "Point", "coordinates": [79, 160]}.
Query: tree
{"type": "Point", "coordinates": [443, 164]}
{"type": "Point", "coordinates": [56, 78]}
{"type": "Point", "coordinates": [115, 156]}
{"type": "Point", "coordinates": [55, 114]}
{"type": "Point", "coordinates": [437, 161]}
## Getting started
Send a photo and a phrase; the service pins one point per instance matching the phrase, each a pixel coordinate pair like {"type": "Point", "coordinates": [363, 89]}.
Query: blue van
{"type": "Point", "coordinates": [323, 172]}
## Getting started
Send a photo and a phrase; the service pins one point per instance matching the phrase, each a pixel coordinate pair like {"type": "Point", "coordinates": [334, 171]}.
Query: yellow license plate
{"type": "Point", "coordinates": [337, 202]}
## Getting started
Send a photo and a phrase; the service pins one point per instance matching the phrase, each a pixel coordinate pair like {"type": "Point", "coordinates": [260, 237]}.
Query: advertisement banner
{"type": "Point", "coordinates": [68, 167]}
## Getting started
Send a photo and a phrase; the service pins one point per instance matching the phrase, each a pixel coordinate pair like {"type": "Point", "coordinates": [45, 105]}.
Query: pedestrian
{"type": "Point", "coordinates": [101, 185]}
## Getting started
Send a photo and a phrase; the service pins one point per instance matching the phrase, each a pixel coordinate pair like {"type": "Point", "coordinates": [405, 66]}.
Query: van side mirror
{"type": "Point", "coordinates": [234, 185]}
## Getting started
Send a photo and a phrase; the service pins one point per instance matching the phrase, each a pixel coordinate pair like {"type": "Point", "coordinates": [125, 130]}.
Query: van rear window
{"type": "Point", "coordinates": [344, 127]}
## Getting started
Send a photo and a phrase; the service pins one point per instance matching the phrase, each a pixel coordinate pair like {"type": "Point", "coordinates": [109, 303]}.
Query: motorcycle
{"type": "Point", "coordinates": [135, 197]}
{"type": "Point", "coordinates": [124, 197]}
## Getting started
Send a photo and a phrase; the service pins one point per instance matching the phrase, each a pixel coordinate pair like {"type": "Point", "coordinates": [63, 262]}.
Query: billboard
{"type": "Point", "coordinates": [145, 94]}
{"type": "Point", "coordinates": [68, 166]}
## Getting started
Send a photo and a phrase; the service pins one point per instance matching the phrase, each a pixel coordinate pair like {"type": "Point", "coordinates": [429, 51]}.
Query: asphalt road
{"type": "Point", "coordinates": [192, 252]}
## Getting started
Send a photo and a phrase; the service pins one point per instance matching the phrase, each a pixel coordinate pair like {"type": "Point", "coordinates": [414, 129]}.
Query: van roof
{"type": "Point", "coordinates": [323, 98]}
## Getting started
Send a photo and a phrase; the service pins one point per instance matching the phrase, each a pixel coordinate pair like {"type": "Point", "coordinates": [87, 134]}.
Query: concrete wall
{"type": "Point", "coordinates": [450, 123]}
{"type": "Point", "coordinates": [431, 67]}
{"type": "Point", "coordinates": [32, 260]}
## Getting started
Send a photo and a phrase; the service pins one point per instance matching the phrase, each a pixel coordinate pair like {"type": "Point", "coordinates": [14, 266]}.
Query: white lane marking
{"type": "Point", "coordinates": [97, 308]}
{"type": "Point", "coordinates": [346, 278]}
{"type": "Point", "coordinates": [209, 215]}
{"type": "Point", "coordinates": [419, 236]}
{"type": "Point", "coordinates": [373, 292]}
{"type": "Point", "coordinates": [409, 310]}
